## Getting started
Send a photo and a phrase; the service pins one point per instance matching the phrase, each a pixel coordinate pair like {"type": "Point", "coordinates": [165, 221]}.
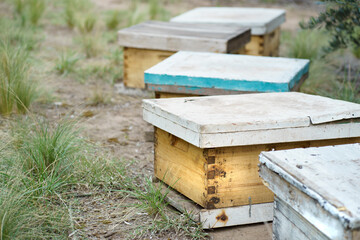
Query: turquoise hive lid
{"type": "Point", "coordinates": [203, 73]}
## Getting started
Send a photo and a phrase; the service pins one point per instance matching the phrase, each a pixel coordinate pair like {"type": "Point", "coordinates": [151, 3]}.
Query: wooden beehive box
{"type": "Point", "coordinates": [199, 73]}
{"type": "Point", "coordinates": [149, 43]}
{"type": "Point", "coordinates": [209, 146]}
{"type": "Point", "coordinates": [264, 23]}
{"type": "Point", "coordinates": [317, 192]}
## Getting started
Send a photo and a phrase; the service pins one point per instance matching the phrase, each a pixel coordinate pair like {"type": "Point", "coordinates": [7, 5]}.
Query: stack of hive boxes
{"type": "Point", "coordinates": [207, 148]}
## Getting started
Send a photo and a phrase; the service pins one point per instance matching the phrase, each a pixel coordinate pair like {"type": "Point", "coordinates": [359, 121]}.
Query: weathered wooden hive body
{"type": "Point", "coordinates": [199, 73]}
{"type": "Point", "coordinates": [264, 23]}
{"type": "Point", "coordinates": [149, 43]}
{"type": "Point", "coordinates": [208, 147]}
{"type": "Point", "coordinates": [317, 192]}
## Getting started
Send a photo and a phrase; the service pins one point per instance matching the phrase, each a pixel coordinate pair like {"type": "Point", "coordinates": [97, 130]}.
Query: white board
{"type": "Point", "coordinates": [260, 20]}
{"type": "Point", "coordinates": [328, 175]}
{"type": "Point", "coordinates": [240, 215]}
{"type": "Point", "coordinates": [172, 36]}
{"type": "Point", "coordinates": [217, 121]}
{"type": "Point", "coordinates": [228, 72]}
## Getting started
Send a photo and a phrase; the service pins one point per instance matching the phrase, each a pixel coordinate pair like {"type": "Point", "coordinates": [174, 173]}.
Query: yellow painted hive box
{"type": "Point", "coordinates": [148, 43]}
{"type": "Point", "coordinates": [264, 23]}
{"type": "Point", "coordinates": [207, 148]}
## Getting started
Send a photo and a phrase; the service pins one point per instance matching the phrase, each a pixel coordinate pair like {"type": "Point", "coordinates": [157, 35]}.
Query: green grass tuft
{"type": "Point", "coordinates": [17, 90]}
{"type": "Point", "coordinates": [29, 11]}
{"type": "Point", "coordinates": [36, 10]}
{"type": "Point", "coordinates": [86, 23]}
{"type": "Point", "coordinates": [113, 19]}
{"type": "Point", "coordinates": [307, 44]}
{"type": "Point", "coordinates": [48, 152]}
{"type": "Point", "coordinates": [66, 63]}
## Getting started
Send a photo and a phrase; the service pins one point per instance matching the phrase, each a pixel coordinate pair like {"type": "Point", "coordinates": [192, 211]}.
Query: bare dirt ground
{"type": "Point", "coordinates": [118, 127]}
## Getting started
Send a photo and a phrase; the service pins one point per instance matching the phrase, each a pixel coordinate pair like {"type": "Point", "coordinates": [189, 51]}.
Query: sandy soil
{"type": "Point", "coordinates": [119, 128]}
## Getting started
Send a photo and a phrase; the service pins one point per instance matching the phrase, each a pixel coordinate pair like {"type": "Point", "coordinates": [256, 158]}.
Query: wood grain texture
{"type": "Point", "coordinates": [171, 36]}
{"type": "Point", "coordinates": [136, 61]}
{"type": "Point", "coordinates": [217, 218]}
{"type": "Point", "coordinates": [181, 164]}
{"type": "Point", "coordinates": [263, 45]}
{"type": "Point", "coordinates": [214, 73]}
{"type": "Point", "coordinates": [330, 175]}
{"type": "Point", "coordinates": [308, 207]}
{"type": "Point", "coordinates": [220, 177]}
{"type": "Point", "coordinates": [260, 20]}
{"type": "Point", "coordinates": [289, 224]}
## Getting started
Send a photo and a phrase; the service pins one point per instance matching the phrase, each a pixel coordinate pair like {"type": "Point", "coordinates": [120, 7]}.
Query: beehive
{"type": "Point", "coordinates": [149, 43]}
{"type": "Point", "coordinates": [209, 146]}
{"type": "Point", "coordinates": [264, 23]}
{"type": "Point", "coordinates": [317, 192]}
{"type": "Point", "coordinates": [199, 73]}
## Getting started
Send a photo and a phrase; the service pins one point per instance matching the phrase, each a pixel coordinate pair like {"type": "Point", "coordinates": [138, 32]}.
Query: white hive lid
{"type": "Point", "coordinates": [245, 119]}
{"type": "Point", "coordinates": [228, 72]}
{"type": "Point", "coordinates": [260, 20]}
{"type": "Point", "coordinates": [172, 36]}
{"type": "Point", "coordinates": [330, 175]}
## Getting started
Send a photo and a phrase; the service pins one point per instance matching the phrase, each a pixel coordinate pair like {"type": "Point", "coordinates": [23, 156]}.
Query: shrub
{"type": "Point", "coordinates": [342, 20]}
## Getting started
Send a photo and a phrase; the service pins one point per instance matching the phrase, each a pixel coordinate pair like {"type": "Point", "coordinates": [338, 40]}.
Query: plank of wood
{"type": "Point", "coordinates": [306, 206]}
{"type": "Point", "coordinates": [240, 215]}
{"type": "Point", "coordinates": [330, 175]}
{"type": "Point", "coordinates": [219, 121]}
{"type": "Point", "coordinates": [200, 72]}
{"type": "Point", "coordinates": [217, 218]}
{"type": "Point", "coordinates": [171, 36]}
{"type": "Point", "coordinates": [288, 224]}
{"type": "Point", "coordinates": [136, 61]}
{"type": "Point", "coordinates": [181, 164]}
{"type": "Point", "coordinates": [179, 201]}
{"type": "Point", "coordinates": [170, 95]}
{"type": "Point", "coordinates": [170, 91]}
{"type": "Point", "coordinates": [260, 20]}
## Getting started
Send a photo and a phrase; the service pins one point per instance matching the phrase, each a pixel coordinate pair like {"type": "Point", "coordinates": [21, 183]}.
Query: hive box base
{"type": "Point", "coordinates": [218, 178]}
{"type": "Point", "coordinates": [263, 45]}
{"type": "Point", "coordinates": [217, 218]}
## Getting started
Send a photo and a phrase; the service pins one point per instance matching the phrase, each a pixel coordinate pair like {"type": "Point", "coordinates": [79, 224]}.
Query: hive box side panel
{"type": "Point", "coordinates": [233, 178]}
{"type": "Point", "coordinates": [288, 224]}
{"type": "Point", "coordinates": [137, 60]}
{"type": "Point", "coordinates": [180, 165]}
{"type": "Point", "coordinates": [272, 43]}
{"type": "Point", "coordinates": [305, 206]}
{"type": "Point", "coordinates": [255, 47]}
{"type": "Point", "coordinates": [263, 45]}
